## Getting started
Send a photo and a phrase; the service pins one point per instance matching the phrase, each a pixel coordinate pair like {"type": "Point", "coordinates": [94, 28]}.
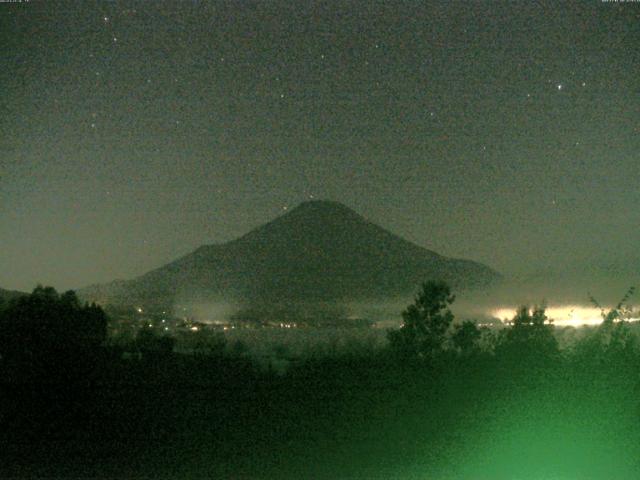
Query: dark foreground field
{"type": "Point", "coordinates": [366, 416]}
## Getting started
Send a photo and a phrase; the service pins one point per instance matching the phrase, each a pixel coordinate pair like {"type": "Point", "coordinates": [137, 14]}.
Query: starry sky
{"type": "Point", "coordinates": [134, 132]}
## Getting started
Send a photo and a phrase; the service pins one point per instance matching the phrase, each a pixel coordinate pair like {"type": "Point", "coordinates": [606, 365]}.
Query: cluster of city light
{"type": "Point", "coordinates": [564, 316]}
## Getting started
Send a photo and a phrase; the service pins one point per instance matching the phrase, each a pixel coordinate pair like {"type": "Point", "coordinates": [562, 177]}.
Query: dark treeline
{"type": "Point", "coordinates": [444, 400]}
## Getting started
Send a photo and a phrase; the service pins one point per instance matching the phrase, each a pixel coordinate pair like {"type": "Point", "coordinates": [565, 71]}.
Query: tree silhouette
{"type": "Point", "coordinates": [613, 339]}
{"type": "Point", "coordinates": [425, 322]}
{"type": "Point", "coordinates": [619, 312]}
{"type": "Point", "coordinates": [530, 340]}
{"type": "Point", "coordinates": [465, 337]}
{"type": "Point", "coordinates": [46, 331]}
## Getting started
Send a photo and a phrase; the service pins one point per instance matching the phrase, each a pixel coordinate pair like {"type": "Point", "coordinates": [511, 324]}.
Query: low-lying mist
{"type": "Point", "coordinates": [567, 298]}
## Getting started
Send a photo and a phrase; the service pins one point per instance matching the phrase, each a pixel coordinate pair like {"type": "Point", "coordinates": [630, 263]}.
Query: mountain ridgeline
{"type": "Point", "coordinates": [319, 251]}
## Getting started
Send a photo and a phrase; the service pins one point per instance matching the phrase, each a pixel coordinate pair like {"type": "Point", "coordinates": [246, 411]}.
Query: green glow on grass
{"type": "Point", "coordinates": [544, 433]}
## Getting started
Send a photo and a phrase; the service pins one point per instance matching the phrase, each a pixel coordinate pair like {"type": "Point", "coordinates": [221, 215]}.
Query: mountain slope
{"type": "Point", "coordinates": [318, 251]}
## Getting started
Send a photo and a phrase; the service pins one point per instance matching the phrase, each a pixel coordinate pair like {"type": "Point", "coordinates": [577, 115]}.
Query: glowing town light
{"type": "Point", "coordinates": [565, 316]}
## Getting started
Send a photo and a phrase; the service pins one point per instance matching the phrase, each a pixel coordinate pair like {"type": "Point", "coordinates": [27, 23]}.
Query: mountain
{"type": "Point", "coordinates": [319, 251]}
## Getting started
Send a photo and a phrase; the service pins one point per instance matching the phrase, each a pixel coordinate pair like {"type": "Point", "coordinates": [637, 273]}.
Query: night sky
{"type": "Point", "coordinates": [132, 133]}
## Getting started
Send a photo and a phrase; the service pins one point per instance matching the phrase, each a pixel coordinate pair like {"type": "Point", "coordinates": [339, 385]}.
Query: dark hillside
{"type": "Point", "coordinates": [319, 251]}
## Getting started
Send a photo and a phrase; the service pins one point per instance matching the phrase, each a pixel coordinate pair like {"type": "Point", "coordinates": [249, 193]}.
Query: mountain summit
{"type": "Point", "coordinates": [318, 251]}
